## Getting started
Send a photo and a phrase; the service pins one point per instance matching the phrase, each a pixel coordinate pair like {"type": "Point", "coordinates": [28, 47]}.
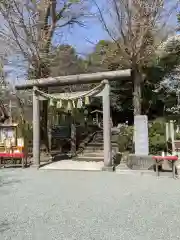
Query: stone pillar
{"type": "Point", "coordinates": [49, 137]}
{"type": "Point", "coordinates": [36, 129]}
{"type": "Point", "coordinates": [73, 139]}
{"type": "Point", "coordinates": [50, 129]}
{"type": "Point", "coordinates": [107, 128]}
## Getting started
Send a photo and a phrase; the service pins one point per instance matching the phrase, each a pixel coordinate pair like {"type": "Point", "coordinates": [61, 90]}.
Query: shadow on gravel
{"type": "Point", "coordinates": [57, 158]}
{"type": "Point", "coordinates": [5, 182]}
{"type": "Point", "coordinates": [4, 226]}
{"type": "Point", "coordinates": [60, 157]}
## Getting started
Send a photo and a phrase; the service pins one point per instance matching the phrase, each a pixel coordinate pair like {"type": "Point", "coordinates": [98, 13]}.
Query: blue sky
{"type": "Point", "coordinates": [85, 38]}
{"type": "Point", "coordinates": [95, 32]}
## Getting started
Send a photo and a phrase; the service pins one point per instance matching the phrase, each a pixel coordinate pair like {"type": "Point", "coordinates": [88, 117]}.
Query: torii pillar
{"type": "Point", "coordinates": [108, 166]}
{"type": "Point", "coordinates": [36, 129]}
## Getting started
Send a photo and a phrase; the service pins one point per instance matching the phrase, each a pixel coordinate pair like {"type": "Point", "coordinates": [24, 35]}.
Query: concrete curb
{"type": "Point", "coordinates": [134, 172]}
{"type": "Point", "coordinates": [71, 170]}
{"type": "Point", "coordinates": [144, 173]}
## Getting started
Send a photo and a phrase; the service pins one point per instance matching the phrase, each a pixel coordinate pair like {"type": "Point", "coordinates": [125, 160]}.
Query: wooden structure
{"type": "Point", "coordinates": [4, 115]}
{"type": "Point", "coordinates": [73, 80]}
{"type": "Point", "coordinates": [10, 160]}
{"type": "Point", "coordinates": [11, 148]}
{"type": "Point", "coordinates": [98, 116]}
{"type": "Point", "coordinates": [171, 159]}
{"type": "Point", "coordinates": [173, 145]}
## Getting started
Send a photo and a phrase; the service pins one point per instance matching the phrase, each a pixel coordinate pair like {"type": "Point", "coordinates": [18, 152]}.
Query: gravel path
{"type": "Point", "coordinates": [87, 205]}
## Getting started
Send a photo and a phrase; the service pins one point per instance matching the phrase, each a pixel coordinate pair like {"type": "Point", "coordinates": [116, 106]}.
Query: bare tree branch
{"type": "Point", "coordinates": [31, 26]}
{"type": "Point", "coordinates": [133, 26]}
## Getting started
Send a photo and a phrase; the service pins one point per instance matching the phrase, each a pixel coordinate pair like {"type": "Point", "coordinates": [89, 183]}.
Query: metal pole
{"type": "Point", "coordinates": [36, 129]}
{"type": "Point", "coordinates": [10, 111]}
{"type": "Point", "coordinates": [172, 136]}
{"type": "Point", "coordinates": [167, 132]}
{"type": "Point", "coordinates": [106, 127]}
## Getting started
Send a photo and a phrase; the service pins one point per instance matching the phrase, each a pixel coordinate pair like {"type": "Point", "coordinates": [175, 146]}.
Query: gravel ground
{"type": "Point", "coordinates": [74, 165]}
{"type": "Point", "coordinates": [87, 205]}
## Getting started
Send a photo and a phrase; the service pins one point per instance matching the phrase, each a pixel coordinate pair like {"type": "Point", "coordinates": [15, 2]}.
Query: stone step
{"type": "Point", "coordinates": [90, 149]}
{"type": "Point", "coordinates": [87, 151]}
{"type": "Point", "coordinates": [101, 144]}
{"type": "Point", "coordinates": [97, 140]}
{"type": "Point", "coordinates": [93, 149]}
{"type": "Point", "coordinates": [89, 159]}
{"type": "Point", "coordinates": [93, 154]}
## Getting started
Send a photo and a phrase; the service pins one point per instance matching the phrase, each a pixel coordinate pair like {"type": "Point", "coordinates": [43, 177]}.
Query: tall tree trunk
{"type": "Point", "coordinates": [44, 125]}
{"type": "Point", "coordinates": [42, 71]}
{"type": "Point", "coordinates": [137, 96]}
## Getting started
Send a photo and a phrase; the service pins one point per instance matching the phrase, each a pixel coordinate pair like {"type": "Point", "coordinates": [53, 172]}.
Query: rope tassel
{"type": "Point", "coordinates": [79, 103]}
{"type": "Point", "coordinates": [73, 104]}
{"type": "Point", "coordinates": [59, 104]}
{"type": "Point", "coordinates": [87, 101]}
{"type": "Point", "coordinates": [79, 99]}
{"type": "Point", "coordinates": [51, 102]}
{"type": "Point", "coordinates": [69, 106]}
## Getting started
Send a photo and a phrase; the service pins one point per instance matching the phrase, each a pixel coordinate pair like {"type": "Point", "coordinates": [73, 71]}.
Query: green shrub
{"type": "Point", "coordinates": [177, 136]}
{"type": "Point", "coordinates": [125, 139]}
{"type": "Point", "coordinates": [157, 138]}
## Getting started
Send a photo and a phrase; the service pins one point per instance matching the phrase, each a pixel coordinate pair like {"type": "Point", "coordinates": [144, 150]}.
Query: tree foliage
{"type": "Point", "coordinates": [136, 29]}
{"type": "Point", "coordinates": [132, 26]}
{"type": "Point", "coordinates": [31, 26]}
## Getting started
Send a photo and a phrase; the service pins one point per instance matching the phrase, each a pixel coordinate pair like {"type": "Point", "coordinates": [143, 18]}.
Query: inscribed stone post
{"type": "Point", "coordinates": [141, 135]}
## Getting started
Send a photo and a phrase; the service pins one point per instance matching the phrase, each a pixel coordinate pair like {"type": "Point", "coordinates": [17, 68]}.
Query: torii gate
{"type": "Point", "coordinates": [35, 84]}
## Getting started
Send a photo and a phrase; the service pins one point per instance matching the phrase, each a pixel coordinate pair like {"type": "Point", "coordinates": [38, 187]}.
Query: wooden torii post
{"type": "Point", "coordinates": [75, 80]}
